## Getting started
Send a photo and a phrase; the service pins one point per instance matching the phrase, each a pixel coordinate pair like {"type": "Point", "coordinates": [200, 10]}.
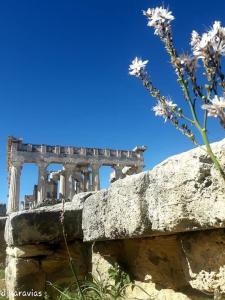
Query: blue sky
{"type": "Point", "coordinates": [64, 75]}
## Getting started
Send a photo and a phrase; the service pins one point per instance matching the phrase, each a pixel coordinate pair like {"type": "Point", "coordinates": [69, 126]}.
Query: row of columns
{"type": "Point", "coordinates": [67, 183]}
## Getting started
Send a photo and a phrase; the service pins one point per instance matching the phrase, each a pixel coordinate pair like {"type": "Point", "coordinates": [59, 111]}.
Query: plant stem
{"type": "Point", "coordinates": [203, 133]}
{"type": "Point", "coordinates": [211, 154]}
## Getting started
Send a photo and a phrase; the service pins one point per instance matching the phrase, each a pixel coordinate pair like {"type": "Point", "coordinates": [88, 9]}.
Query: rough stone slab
{"type": "Point", "coordinates": [183, 193]}
{"type": "Point", "coordinates": [155, 265]}
{"type": "Point", "coordinates": [204, 260]}
{"type": "Point", "coordinates": [29, 251]}
{"type": "Point", "coordinates": [24, 279]}
{"type": "Point", "coordinates": [79, 199]}
{"type": "Point", "coordinates": [43, 225]}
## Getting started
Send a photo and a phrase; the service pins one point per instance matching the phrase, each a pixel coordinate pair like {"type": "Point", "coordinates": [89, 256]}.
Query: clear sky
{"type": "Point", "coordinates": [64, 75]}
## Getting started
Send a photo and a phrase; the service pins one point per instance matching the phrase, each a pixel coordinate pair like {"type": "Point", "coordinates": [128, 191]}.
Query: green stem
{"type": "Point", "coordinates": [203, 133]}
{"type": "Point", "coordinates": [184, 117]}
{"type": "Point", "coordinates": [173, 55]}
{"type": "Point", "coordinates": [205, 119]}
{"type": "Point", "coordinates": [211, 154]}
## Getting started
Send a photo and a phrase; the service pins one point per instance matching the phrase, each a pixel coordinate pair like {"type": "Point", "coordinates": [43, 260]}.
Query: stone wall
{"type": "Point", "coordinates": [33, 268]}
{"type": "Point", "coordinates": [37, 254]}
{"type": "Point", "coordinates": [167, 267]}
{"type": "Point", "coordinates": [165, 227]}
{"type": "Point", "coordinates": [180, 266]}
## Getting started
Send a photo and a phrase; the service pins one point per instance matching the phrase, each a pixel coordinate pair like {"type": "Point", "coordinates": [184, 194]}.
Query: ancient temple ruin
{"type": "Point", "coordinates": [80, 172]}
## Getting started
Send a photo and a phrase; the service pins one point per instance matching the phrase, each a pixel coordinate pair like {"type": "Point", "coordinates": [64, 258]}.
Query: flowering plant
{"type": "Point", "coordinates": [207, 51]}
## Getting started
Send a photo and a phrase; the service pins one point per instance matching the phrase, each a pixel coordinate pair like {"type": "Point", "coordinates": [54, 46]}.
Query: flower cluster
{"type": "Point", "coordinates": [137, 67]}
{"type": "Point", "coordinates": [216, 107]}
{"type": "Point", "coordinates": [211, 44]}
{"type": "Point", "coordinates": [165, 109]}
{"type": "Point", "coordinates": [210, 47]}
{"type": "Point", "coordinates": [159, 18]}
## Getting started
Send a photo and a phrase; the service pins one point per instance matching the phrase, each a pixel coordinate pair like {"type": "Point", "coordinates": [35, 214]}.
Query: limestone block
{"type": "Point", "coordinates": [24, 279]}
{"type": "Point", "coordinates": [154, 264]}
{"type": "Point", "coordinates": [43, 225]}
{"type": "Point", "coordinates": [204, 260]}
{"type": "Point", "coordinates": [116, 212]}
{"type": "Point", "coordinates": [156, 260]}
{"type": "Point", "coordinates": [29, 251]}
{"type": "Point", "coordinates": [146, 291]}
{"type": "Point", "coordinates": [57, 267]}
{"type": "Point", "coordinates": [104, 257]}
{"type": "Point", "coordinates": [79, 199]}
{"type": "Point", "coordinates": [60, 259]}
{"type": "Point", "coordinates": [183, 193]}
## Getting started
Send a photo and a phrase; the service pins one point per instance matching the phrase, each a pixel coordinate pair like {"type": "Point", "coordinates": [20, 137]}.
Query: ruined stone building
{"type": "Point", "coordinates": [80, 171]}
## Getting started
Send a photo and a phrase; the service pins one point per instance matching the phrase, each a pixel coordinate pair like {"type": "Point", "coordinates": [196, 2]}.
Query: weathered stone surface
{"type": "Point", "coordinates": [146, 291]}
{"type": "Point", "coordinates": [43, 267]}
{"type": "Point", "coordinates": [24, 279]}
{"type": "Point", "coordinates": [59, 260]}
{"type": "Point", "coordinates": [57, 268]}
{"type": "Point", "coordinates": [183, 193]}
{"type": "Point", "coordinates": [155, 265]}
{"type": "Point", "coordinates": [43, 225]}
{"type": "Point", "coordinates": [29, 251]}
{"type": "Point", "coordinates": [156, 260]}
{"type": "Point", "coordinates": [204, 260]}
{"type": "Point", "coordinates": [79, 199]}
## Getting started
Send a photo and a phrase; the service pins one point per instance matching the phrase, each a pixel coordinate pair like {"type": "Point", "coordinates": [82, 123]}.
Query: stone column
{"type": "Point", "coordinates": [42, 178]}
{"type": "Point", "coordinates": [70, 190]}
{"type": "Point", "coordinates": [87, 180]}
{"type": "Point", "coordinates": [95, 177]}
{"type": "Point", "coordinates": [62, 187]}
{"type": "Point", "coordinates": [77, 187]}
{"type": "Point", "coordinates": [14, 187]}
{"type": "Point", "coordinates": [79, 181]}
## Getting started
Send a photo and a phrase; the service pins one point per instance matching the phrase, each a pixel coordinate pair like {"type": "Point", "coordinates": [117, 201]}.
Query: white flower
{"type": "Point", "coordinates": [210, 44]}
{"type": "Point", "coordinates": [160, 110]}
{"type": "Point", "coordinates": [216, 26]}
{"type": "Point", "coordinates": [164, 109]}
{"type": "Point", "coordinates": [217, 34]}
{"type": "Point", "coordinates": [212, 112]}
{"type": "Point", "coordinates": [215, 107]}
{"type": "Point", "coordinates": [195, 38]}
{"type": "Point", "coordinates": [159, 18]}
{"type": "Point", "coordinates": [200, 46]}
{"type": "Point", "coordinates": [170, 105]}
{"type": "Point", "coordinates": [218, 102]}
{"type": "Point", "coordinates": [137, 67]}
{"type": "Point", "coordinates": [158, 15]}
